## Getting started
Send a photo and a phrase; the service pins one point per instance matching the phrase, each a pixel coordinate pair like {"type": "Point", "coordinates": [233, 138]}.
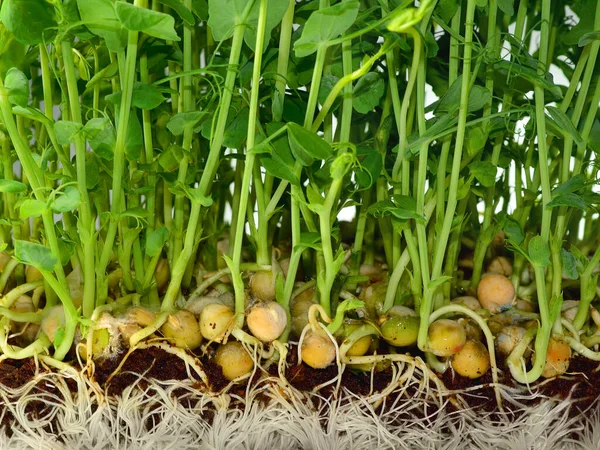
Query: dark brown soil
{"type": "Point", "coordinates": [140, 367]}
{"type": "Point", "coordinates": [16, 373]}
{"type": "Point", "coordinates": [582, 383]}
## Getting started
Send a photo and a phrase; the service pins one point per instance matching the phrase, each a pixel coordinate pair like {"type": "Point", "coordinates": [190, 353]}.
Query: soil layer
{"type": "Point", "coordinates": [581, 384]}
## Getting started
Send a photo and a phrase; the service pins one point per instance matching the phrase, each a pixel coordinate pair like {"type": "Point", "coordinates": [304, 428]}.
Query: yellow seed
{"type": "Point", "coordinates": [472, 361]}
{"type": "Point", "coordinates": [234, 360]}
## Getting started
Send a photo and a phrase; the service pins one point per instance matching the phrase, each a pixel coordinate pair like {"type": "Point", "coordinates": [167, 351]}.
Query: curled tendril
{"type": "Point", "coordinates": [407, 18]}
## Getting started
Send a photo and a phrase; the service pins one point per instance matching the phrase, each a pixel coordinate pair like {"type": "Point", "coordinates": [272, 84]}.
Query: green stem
{"type": "Point", "coordinates": [33, 172]}
{"type": "Point", "coordinates": [188, 134]}
{"type": "Point", "coordinates": [236, 272]}
{"type": "Point", "coordinates": [283, 57]}
{"type": "Point", "coordinates": [442, 239]}
{"type": "Point", "coordinates": [178, 271]}
{"type": "Point", "coordinates": [86, 225]}
{"type": "Point", "coordinates": [128, 78]}
{"type": "Point", "coordinates": [445, 152]}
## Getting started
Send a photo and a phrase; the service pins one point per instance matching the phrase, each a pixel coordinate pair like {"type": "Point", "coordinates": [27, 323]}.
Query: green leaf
{"type": "Point", "coordinates": [514, 231]}
{"type": "Point", "coordinates": [35, 255]}
{"type": "Point", "coordinates": [236, 129]}
{"type": "Point", "coordinates": [225, 15]}
{"type": "Point", "coordinates": [306, 145]}
{"type": "Point", "coordinates": [569, 199]}
{"type": "Point", "coordinates": [479, 96]}
{"type": "Point", "coordinates": [324, 25]}
{"type": "Point", "coordinates": [539, 252]}
{"type": "Point", "coordinates": [554, 308]}
{"type": "Point", "coordinates": [530, 74]}
{"type": "Point", "coordinates": [275, 11]}
{"type": "Point", "coordinates": [582, 259]}
{"type": "Point", "coordinates": [569, 263]}
{"type": "Point", "coordinates": [156, 240]}
{"type": "Point", "coordinates": [134, 140]}
{"type": "Point", "coordinates": [194, 194]}
{"type": "Point", "coordinates": [308, 240]}
{"type": "Point", "coordinates": [588, 38]}
{"type": "Point", "coordinates": [512, 245]}
{"type": "Point", "coordinates": [153, 23]}
{"type": "Point", "coordinates": [28, 20]}
{"type": "Point", "coordinates": [585, 10]}
{"type": "Point", "coordinates": [67, 201]}
{"type": "Point", "coordinates": [446, 9]}
{"type": "Point", "coordinates": [369, 170]}
{"type": "Point", "coordinates": [484, 172]}
{"type": "Point", "coordinates": [72, 17]}
{"type": "Point", "coordinates": [404, 208]}
{"type": "Point", "coordinates": [279, 169]}
{"type": "Point", "coordinates": [59, 337]}
{"type": "Point", "coordinates": [12, 186]}
{"type": "Point", "coordinates": [92, 172]}
{"type": "Point", "coordinates": [31, 208]}
{"type": "Point", "coordinates": [434, 284]}
{"type": "Point", "coordinates": [507, 7]}
{"type": "Point", "coordinates": [101, 19]}
{"type": "Point", "coordinates": [170, 158]}
{"type": "Point", "coordinates": [179, 121]}
{"type": "Point", "coordinates": [571, 185]}
{"type": "Point", "coordinates": [31, 113]}
{"type": "Point", "coordinates": [200, 8]}
{"type": "Point", "coordinates": [475, 140]}
{"type": "Point", "coordinates": [66, 249]}
{"type": "Point", "coordinates": [101, 136]}
{"type": "Point", "coordinates": [368, 92]}
{"type": "Point", "coordinates": [463, 188]}
{"type": "Point", "coordinates": [17, 85]}
{"type": "Point", "coordinates": [438, 126]}
{"type": "Point", "coordinates": [66, 131]}
{"type": "Point", "coordinates": [180, 9]}
{"type": "Point", "coordinates": [314, 195]}
{"type": "Point", "coordinates": [144, 96]}
{"type": "Point", "coordinates": [106, 72]}
{"type": "Point", "coordinates": [328, 82]}
{"type": "Point", "coordinates": [563, 124]}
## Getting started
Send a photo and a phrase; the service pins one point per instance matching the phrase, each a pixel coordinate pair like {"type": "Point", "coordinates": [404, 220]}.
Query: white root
{"type": "Point", "coordinates": [154, 418]}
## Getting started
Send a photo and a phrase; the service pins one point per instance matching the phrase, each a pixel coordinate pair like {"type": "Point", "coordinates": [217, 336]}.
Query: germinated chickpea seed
{"type": "Point", "coordinates": [267, 321]}
{"type": "Point", "coordinates": [501, 265]}
{"type": "Point", "coordinates": [262, 285]}
{"type": "Point", "coordinates": [54, 320]}
{"type": "Point", "coordinates": [317, 350]}
{"type": "Point", "coordinates": [558, 358]}
{"type": "Point", "coordinates": [182, 329]}
{"type": "Point", "coordinates": [508, 338]}
{"type": "Point", "coordinates": [163, 275]}
{"type": "Point", "coordinates": [472, 360]}
{"type": "Point", "coordinates": [496, 293]}
{"type": "Point", "coordinates": [446, 337]}
{"type": "Point", "coordinates": [234, 360]}
{"type": "Point", "coordinates": [33, 274]}
{"type": "Point", "coordinates": [401, 331]}
{"type": "Point", "coordinates": [215, 320]}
